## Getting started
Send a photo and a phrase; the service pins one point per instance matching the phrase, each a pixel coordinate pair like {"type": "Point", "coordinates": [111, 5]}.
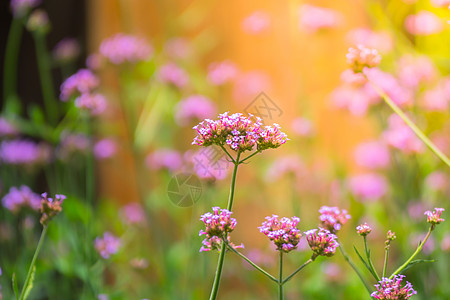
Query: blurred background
{"type": "Point", "coordinates": [156, 69]}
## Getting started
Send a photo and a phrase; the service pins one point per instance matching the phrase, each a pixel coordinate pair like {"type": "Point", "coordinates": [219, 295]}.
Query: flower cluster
{"type": "Point", "coordinates": [172, 74]}
{"type": "Point", "coordinates": [361, 57]}
{"type": "Point", "coordinates": [434, 217]}
{"type": "Point", "coordinates": [322, 242]}
{"type": "Point", "coordinates": [392, 289]}
{"type": "Point", "coordinates": [122, 48]}
{"type": "Point", "coordinates": [107, 245]}
{"type": "Point", "coordinates": [215, 243]}
{"type": "Point", "coordinates": [23, 152]}
{"type": "Point", "coordinates": [21, 7]}
{"type": "Point", "coordinates": [282, 232]}
{"type": "Point", "coordinates": [240, 133]}
{"type": "Point", "coordinates": [94, 103]}
{"type": "Point", "coordinates": [332, 218]}
{"type": "Point", "coordinates": [50, 207]}
{"type": "Point", "coordinates": [81, 82]}
{"type": "Point", "coordinates": [363, 229]}
{"type": "Point", "coordinates": [21, 197]}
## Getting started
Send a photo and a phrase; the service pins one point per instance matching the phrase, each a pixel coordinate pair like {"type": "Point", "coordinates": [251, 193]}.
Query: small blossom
{"type": "Point", "coordinates": [302, 127]}
{"type": "Point", "coordinates": [105, 148]}
{"type": "Point", "coordinates": [221, 72]}
{"type": "Point", "coordinates": [322, 242]}
{"type": "Point", "coordinates": [177, 47]}
{"type": "Point", "coordinates": [7, 128]}
{"type": "Point", "coordinates": [215, 243]}
{"type": "Point", "coordinates": [172, 74]}
{"type": "Point", "coordinates": [18, 198]}
{"type": "Point", "coordinates": [121, 48]}
{"type": "Point", "coordinates": [361, 57]}
{"type": "Point", "coordinates": [368, 187]}
{"type": "Point", "coordinates": [66, 51]}
{"type": "Point", "coordinates": [423, 23]}
{"type": "Point", "coordinates": [400, 136]}
{"type": "Point", "coordinates": [380, 40]}
{"type": "Point", "coordinates": [139, 263]}
{"type": "Point", "coordinates": [415, 70]}
{"type": "Point", "coordinates": [50, 207]}
{"type": "Point", "coordinates": [436, 99]}
{"type": "Point", "coordinates": [271, 137]}
{"type": "Point", "coordinates": [82, 82]}
{"type": "Point", "coordinates": [23, 152]}
{"type": "Point", "coordinates": [434, 217]}
{"type": "Point", "coordinates": [256, 23]}
{"type": "Point", "coordinates": [71, 144]}
{"type": "Point", "coordinates": [372, 155]}
{"type": "Point", "coordinates": [94, 103]}
{"type": "Point", "coordinates": [390, 236]}
{"type": "Point", "coordinates": [332, 218]}
{"type": "Point", "coordinates": [133, 213]}
{"type": "Point", "coordinates": [249, 85]}
{"type": "Point", "coordinates": [363, 229]}
{"type": "Point", "coordinates": [164, 159]}
{"type": "Point", "coordinates": [21, 7]}
{"type": "Point", "coordinates": [107, 245]}
{"type": "Point", "coordinates": [314, 18]}
{"type": "Point", "coordinates": [195, 107]}
{"type": "Point", "coordinates": [282, 232]}
{"type": "Point", "coordinates": [392, 289]}
{"type": "Point", "coordinates": [38, 22]}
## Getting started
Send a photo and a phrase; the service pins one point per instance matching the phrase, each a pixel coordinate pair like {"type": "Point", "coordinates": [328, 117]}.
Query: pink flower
{"type": "Point", "coordinates": [210, 163]}
{"type": "Point", "coordinates": [368, 187]}
{"type": "Point", "coordinates": [285, 165]}
{"type": "Point", "coordinates": [256, 23]}
{"type": "Point", "coordinates": [164, 159]}
{"type": "Point", "coordinates": [434, 217]}
{"type": "Point", "coordinates": [93, 103]}
{"type": "Point", "coordinates": [172, 74]}
{"type": "Point", "coordinates": [22, 7]}
{"type": "Point", "coordinates": [121, 48]}
{"type": "Point", "coordinates": [415, 70]}
{"type": "Point", "coordinates": [23, 152]}
{"type": "Point", "coordinates": [194, 108]}
{"type": "Point", "coordinates": [133, 213]}
{"type": "Point", "coordinates": [363, 229]}
{"type": "Point", "coordinates": [249, 85]}
{"type": "Point", "coordinates": [353, 79]}
{"type": "Point", "coordinates": [356, 101]}
{"type": "Point", "coordinates": [177, 48]}
{"type": "Point", "coordinates": [372, 155]}
{"type": "Point", "coordinates": [322, 242]}
{"type": "Point", "coordinates": [441, 3]}
{"type": "Point", "coordinates": [400, 136]}
{"type": "Point", "coordinates": [437, 181]}
{"type": "Point", "coordinates": [222, 72]}
{"type": "Point", "coordinates": [83, 81]}
{"type": "Point", "coordinates": [436, 99]}
{"type": "Point", "coordinates": [423, 23]}
{"type": "Point", "coordinates": [38, 21]}
{"type": "Point", "coordinates": [107, 245]}
{"type": "Point", "coordinates": [105, 148]}
{"type": "Point", "coordinates": [380, 40]}
{"type": "Point", "coordinates": [7, 128]}
{"type": "Point", "coordinates": [302, 127]}
{"type": "Point", "coordinates": [282, 232]}
{"type": "Point", "coordinates": [72, 143]}
{"type": "Point", "coordinates": [314, 18]}
{"type": "Point", "coordinates": [67, 50]}
{"type": "Point", "coordinates": [18, 198]}
{"type": "Point", "coordinates": [332, 218]}
{"type": "Point", "coordinates": [392, 289]}
{"type": "Point", "coordinates": [362, 57]}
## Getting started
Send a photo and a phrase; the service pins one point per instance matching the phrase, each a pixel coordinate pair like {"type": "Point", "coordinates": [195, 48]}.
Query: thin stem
{"type": "Point", "coordinates": [350, 262]}
{"type": "Point", "coordinates": [386, 257]}
{"type": "Point", "coordinates": [299, 269]}
{"type": "Point", "coordinates": [411, 124]}
{"type": "Point", "coordinates": [419, 248]}
{"type": "Point", "coordinates": [227, 153]}
{"type": "Point", "coordinates": [366, 249]}
{"type": "Point", "coordinates": [33, 262]}
{"type": "Point", "coordinates": [233, 182]}
{"type": "Point", "coordinates": [252, 263]}
{"type": "Point", "coordinates": [90, 165]}
{"type": "Point", "coordinates": [251, 155]}
{"type": "Point", "coordinates": [280, 281]}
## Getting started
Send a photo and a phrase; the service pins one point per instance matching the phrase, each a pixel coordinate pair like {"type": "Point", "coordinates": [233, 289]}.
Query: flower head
{"type": "Point", "coordinates": [392, 289]}
{"type": "Point", "coordinates": [50, 207]}
{"type": "Point", "coordinates": [322, 242]}
{"type": "Point", "coordinates": [215, 243]}
{"type": "Point", "coordinates": [21, 197]}
{"type": "Point", "coordinates": [23, 152]}
{"type": "Point", "coordinates": [332, 218]}
{"type": "Point", "coordinates": [361, 57]}
{"type": "Point", "coordinates": [363, 229]}
{"type": "Point", "coordinates": [390, 236]}
{"type": "Point", "coordinates": [107, 245]}
{"type": "Point", "coordinates": [121, 48]}
{"type": "Point", "coordinates": [133, 213]}
{"type": "Point", "coordinates": [195, 107]}
{"type": "Point", "coordinates": [283, 232]}
{"type": "Point", "coordinates": [83, 81]}
{"type": "Point", "coordinates": [434, 217]}
{"type": "Point", "coordinates": [369, 186]}
{"type": "Point", "coordinates": [93, 103]}
{"type": "Point", "coordinates": [172, 74]}
{"type": "Point", "coordinates": [22, 7]}
{"type": "Point", "coordinates": [67, 50]}
{"type": "Point", "coordinates": [105, 148]}
{"type": "Point", "coordinates": [38, 22]}
{"type": "Point", "coordinates": [221, 72]}
{"type": "Point", "coordinates": [218, 224]}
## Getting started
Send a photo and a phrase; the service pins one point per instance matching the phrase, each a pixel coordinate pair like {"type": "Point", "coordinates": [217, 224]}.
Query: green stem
{"type": "Point", "coordinates": [33, 262]}
{"type": "Point", "coordinates": [386, 257]}
{"type": "Point", "coordinates": [227, 153]}
{"type": "Point", "coordinates": [10, 63]}
{"type": "Point", "coordinates": [419, 248]}
{"type": "Point", "coordinates": [90, 165]}
{"type": "Point", "coordinates": [299, 269]}
{"type": "Point", "coordinates": [280, 281]}
{"type": "Point", "coordinates": [50, 103]}
{"type": "Point", "coordinates": [251, 155]}
{"type": "Point", "coordinates": [233, 182]}
{"type": "Point", "coordinates": [350, 262]}
{"type": "Point", "coordinates": [252, 263]}
{"type": "Point", "coordinates": [372, 268]}
{"type": "Point", "coordinates": [411, 124]}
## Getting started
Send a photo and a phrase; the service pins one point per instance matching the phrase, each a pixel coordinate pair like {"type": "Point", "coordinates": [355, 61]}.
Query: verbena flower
{"type": "Point", "coordinates": [322, 242]}
{"type": "Point", "coordinates": [257, 22]}
{"type": "Point", "coordinates": [369, 186]}
{"type": "Point", "coordinates": [363, 229]}
{"type": "Point", "coordinates": [282, 232]}
{"type": "Point", "coordinates": [83, 81]}
{"type": "Point", "coordinates": [215, 243]}
{"type": "Point", "coordinates": [172, 74]}
{"type": "Point", "coordinates": [23, 152]}
{"type": "Point", "coordinates": [164, 159]}
{"type": "Point", "coordinates": [105, 148]}
{"type": "Point", "coordinates": [222, 72]}
{"type": "Point", "coordinates": [133, 213]}
{"type": "Point", "coordinates": [107, 245]}
{"type": "Point", "coordinates": [400, 136]}
{"type": "Point", "coordinates": [66, 51]}
{"type": "Point", "coordinates": [21, 7]}
{"type": "Point", "coordinates": [361, 57]}
{"type": "Point", "coordinates": [18, 198]}
{"type": "Point", "coordinates": [390, 235]}
{"type": "Point", "coordinates": [372, 155]}
{"type": "Point", "coordinates": [434, 217]}
{"type": "Point", "coordinates": [313, 18]}
{"type": "Point", "coordinates": [332, 218]}
{"type": "Point", "coordinates": [392, 289]}
{"type": "Point", "coordinates": [195, 107]}
{"type": "Point", "coordinates": [7, 128]}
{"type": "Point", "coordinates": [50, 207]}
{"type": "Point", "coordinates": [38, 22]}
{"type": "Point", "coordinates": [121, 48]}
{"type": "Point", "coordinates": [93, 103]}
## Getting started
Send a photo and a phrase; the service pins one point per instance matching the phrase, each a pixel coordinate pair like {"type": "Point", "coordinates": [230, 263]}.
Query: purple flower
{"type": "Point", "coordinates": [363, 229]}
{"type": "Point", "coordinates": [271, 137]}
{"type": "Point", "coordinates": [7, 128]}
{"type": "Point", "coordinates": [372, 155]}
{"type": "Point", "coordinates": [195, 107]}
{"type": "Point", "coordinates": [400, 136]}
{"type": "Point", "coordinates": [133, 213]}
{"type": "Point", "coordinates": [94, 103]}
{"type": "Point", "coordinates": [390, 235]}
{"type": "Point", "coordinates": [282, 232]}
{"type": "Point", "coordinates": [50, 207]}
{"type": "Point", "coordinates": [322, 242]}
{"type": "Point", "coordinates": [332, 218]}
{"type": "Point", "coordinates": [392, 289]}
{"type": "Point", "coordinates": [412, 70]}
{"type": "Point", "coordinates": [82, 82]}
{"type": "Point", "coordinates": [21, 7]}
{"type": "Point", "coordinates": [437, 98]}
{"type": "Point", "coordinates": [23, 152]}
{"type": "Point", "coordinates": [218, 223]}
{"type": "Point", "coordinates": [209, 163]}
{"type": "Point", "coordinates": [105, 148]}
{"type": "Point", "coordinates": [107, 245]}
{"type": "Point", "coordinates": [215, 243]}
{"type": "Point", "coordinates": [172, 74]}
{"type": "Point", "coordinates": [434, 217]}
{"type": "Point", "coordinates": [121, 48]}
{"type": "Point", "coordinates": [221, 72]}
{"type": "Point", "coordinates": [164, 159]}
{"type": "Point", "coordinates": [368, 187]}
{"type": "Point", "coordinates": [18, 198]}
{"type": "Point", "coordinates": [67, 50]}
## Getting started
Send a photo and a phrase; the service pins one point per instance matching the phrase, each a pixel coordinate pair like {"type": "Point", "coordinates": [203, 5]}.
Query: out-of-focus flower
{"type": "Point", "coordinates": [332, 272]}
{"type": "Point", "coordinates": [445, 244]}
{"type": "Point", "coordinates": [50, 207]}
{"type": "Point", "coordinates": [353, 79]}
{"type": "Point", "coordinates": [93, 103]}
{"type": "Point", "coordinates": [94, 61]}
{"type": "Point", "coordinates": [302, 127]}
{"type": "Point", "coordinates": [21, 7]}
{"type": "Point", "coordinates": [436, 99]}
{"type": "Point", "coordinates": [437, 181]}
{"type": "Point", "coordinates": [400, 136]}
{"type": "Point", "coordinates": [282, 232]}
{"type": "Point", "coordinates": [362, 57]}
{"type": "Point", "coordinates": [194, 108]}
{"type": "Point", "coordinates": [139, 263]}
{"type": "Point", "coordinates": [105, 148]}
{"type": "Point", "coordinates": [38, 22]}
{"type": "Point", "coordinates": [415, 70]}
{"type": "Point", "coordinates": [415, 210]}
{"type": "Point", "coordinates": [222, 72]}
{"type": "Point", "coordinates": [314, 18]}
{"type": "Point", "coordinates": [164, 159]}
{"type": "Point", "coordinates": [66, 51]}
{"type": "Point", "coordinates": [107, 245]}
{"type": "Point", "coordinates": [209, 163]}
{"type": "Point", "coordinates": [18, 198]}
{"type": "Point", "coordinates": [82, 82]}
{"type": "Point", "coordinates": [285, 165]}
{"type": "Point", "coordinates": [393, 289]}
{"type": "Point", "coordinates": [322, 242]}
{"type": "Point", "coordinates": [121, 48]}
{"type": "Point", "coordinates": [103, 297]}
{"type": "Point", "coordinates": [423, 23]}
{"type": "Point", "coordinates": [177, 48]}
{"type": "Point", "coordinates": [7, 128]}
{"type": "Point", "coordinates": [332, 218]}
{"type": "Point", "coordinates": [256, 23]}
{"type": "Point", "coordinates": [440, 3]}
{"type": "Point", "coordinates": [250, 84]}
{"type": "Point", "coordinates": [368, 187]}
{"type": "Point", "coordinates": [172, 74]}
{"type": "Point", "coordinates": [72, 143]}
{"type": "Point", "coordinates": [356, 100]}
{"type": "Point", "coordinates": [133, 213]}
{"type": "Point", "coordinates": [379, 40]}
{"type": "Point", "coordinates": [416, 238]}
{"type": "Point", "coordinates": [434, 217]}
{"type": "Point", "coordinates": [23, 152]}
{"type": "Point", "coordinates": [372, 155]}
{"type": "Point", "coordinates": [363, 229]}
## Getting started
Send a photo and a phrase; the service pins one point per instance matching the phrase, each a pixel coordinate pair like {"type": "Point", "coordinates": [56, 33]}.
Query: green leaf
{"type": "Point", "coordinates": [14, 285]}
{"type": "Point", "coordinates": [417, 261]}
{"type": "Point", "coordinates": [36, 114]}
{"type": "Point", "coordinates": [365, 263]}
{"type": "Point", "coordinates": [28, 288]}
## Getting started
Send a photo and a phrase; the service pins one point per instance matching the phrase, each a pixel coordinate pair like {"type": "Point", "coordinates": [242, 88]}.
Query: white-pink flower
{"type": "Point", "coordinates": [423, 23]}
